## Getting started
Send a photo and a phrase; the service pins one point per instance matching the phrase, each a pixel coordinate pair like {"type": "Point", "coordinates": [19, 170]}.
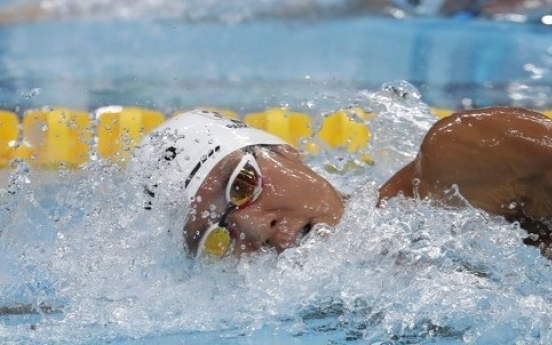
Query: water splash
{"type": "Point", "coordinates": [85, 263]}
{"type": "Point", "coordinates": [402, 121]}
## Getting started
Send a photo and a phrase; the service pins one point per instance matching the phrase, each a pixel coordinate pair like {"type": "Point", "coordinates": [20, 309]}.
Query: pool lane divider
{"type": "Point", "coordinates": [53, 136]}
{"type": "Point", "coordinates": [57, 136]}
{"type": "Point", "coordinates": [119, 129]}
{"type": "Point", "coordinates": [9, 133]}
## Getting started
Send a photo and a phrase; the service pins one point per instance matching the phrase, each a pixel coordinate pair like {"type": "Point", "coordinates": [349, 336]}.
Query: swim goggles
{"type": "Point", "coordinates": [244, 188]}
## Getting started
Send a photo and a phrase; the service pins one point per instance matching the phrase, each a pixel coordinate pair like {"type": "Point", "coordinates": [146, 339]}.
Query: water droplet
{"type": "Point", "coordinates": [415, 185]}
{"type": "Point", "coordinates": [33, 92]}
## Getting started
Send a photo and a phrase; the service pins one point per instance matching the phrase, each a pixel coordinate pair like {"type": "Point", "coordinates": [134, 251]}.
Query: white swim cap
{"type": "Point", "coordinates": [174, 159]}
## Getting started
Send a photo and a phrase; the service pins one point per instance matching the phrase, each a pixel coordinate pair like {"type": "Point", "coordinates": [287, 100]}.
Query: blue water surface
{"type": "Point", "coordinates": [172, 63]}
{"type": "Point", "coordinates": [84, 263]}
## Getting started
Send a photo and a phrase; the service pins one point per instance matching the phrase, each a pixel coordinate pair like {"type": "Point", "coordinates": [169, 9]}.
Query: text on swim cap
{"type": "Point", "coordinates": [198, 165]}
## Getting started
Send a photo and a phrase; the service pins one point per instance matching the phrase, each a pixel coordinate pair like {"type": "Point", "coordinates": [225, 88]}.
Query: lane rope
{"type": "Point", "coordinates": [48, 137]}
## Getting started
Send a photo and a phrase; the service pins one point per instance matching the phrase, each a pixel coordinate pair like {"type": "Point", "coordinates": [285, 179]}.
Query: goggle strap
{"type": "Point", "coordinates": [222, 222]}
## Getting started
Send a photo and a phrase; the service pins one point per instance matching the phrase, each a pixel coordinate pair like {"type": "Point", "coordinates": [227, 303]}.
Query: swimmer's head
{"type": "Point", "coordinates": [174, 160]}
{"type": "Point", "coordinates": [238, 188]}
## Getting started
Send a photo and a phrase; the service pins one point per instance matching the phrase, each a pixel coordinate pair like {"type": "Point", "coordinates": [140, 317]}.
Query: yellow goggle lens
{"type": "Point", "coordinates": [217, 243]}
{"type": "Point", "coordinates": [245, 186]}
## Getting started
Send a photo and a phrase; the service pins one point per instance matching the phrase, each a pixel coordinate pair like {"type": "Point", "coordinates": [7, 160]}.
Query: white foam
{"type": "Point", "coordinates": [406, 272]}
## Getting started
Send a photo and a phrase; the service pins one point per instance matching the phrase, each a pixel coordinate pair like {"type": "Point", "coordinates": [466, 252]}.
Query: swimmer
{"type": "Point", "coordinates": [242, 189]}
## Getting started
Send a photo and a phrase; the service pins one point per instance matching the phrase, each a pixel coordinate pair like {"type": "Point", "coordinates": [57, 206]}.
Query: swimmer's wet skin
{"type": "Point", "coordinates": [500, 159]}
{"type": "Point", "coordinates": [242, 189]}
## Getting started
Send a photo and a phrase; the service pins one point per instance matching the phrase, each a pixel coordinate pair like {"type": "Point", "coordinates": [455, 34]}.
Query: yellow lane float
{"type": "Point", "coordinates": [9, 133]}
{"type": "Point", "coordinates": [547, 113]}
{"type": "Point", "coordinates": [57, 136]}
{"type": "Point", "coordinates": [346, 129]}
{"type": "Point", "coordinates": [440, 112]}
{"type": "Point", "coordinates": [288, 125]}
{"type": "Point", "coordinates": [49, 137]}
{"type": "Point", "coordinates": [119, 129]}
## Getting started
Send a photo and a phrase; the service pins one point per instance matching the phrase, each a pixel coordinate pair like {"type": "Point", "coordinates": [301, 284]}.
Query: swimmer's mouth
{"type": "Point", "coordinates": [304, 233]}
{"type": "Point", "coordinates": [306, 230]}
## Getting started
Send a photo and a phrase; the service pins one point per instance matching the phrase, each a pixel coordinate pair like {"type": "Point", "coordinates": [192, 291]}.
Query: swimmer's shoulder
{"type": "Point", "coordinates": [492, 118]}
{"type": "Point", "coordinates": [485, 125]}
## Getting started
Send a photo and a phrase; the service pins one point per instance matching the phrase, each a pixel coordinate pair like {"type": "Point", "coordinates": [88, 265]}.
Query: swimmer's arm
{"type": "Point", "coordinates": [400, 184]}
{"type": "Point", "coordinates": [500, 159]}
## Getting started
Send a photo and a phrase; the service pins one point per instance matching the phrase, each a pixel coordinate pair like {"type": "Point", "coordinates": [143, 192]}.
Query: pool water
{"type": "Point", "coordinates": [310, 65]}
{"type": "Point", "coordinates": [84, 263]}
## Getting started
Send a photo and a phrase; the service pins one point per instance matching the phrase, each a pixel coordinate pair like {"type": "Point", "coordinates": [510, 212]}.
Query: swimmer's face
{"type": "Point", "coordinates": [293, 200]}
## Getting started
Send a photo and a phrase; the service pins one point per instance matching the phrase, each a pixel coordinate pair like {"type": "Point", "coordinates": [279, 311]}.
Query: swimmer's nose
{"type": "Point", "coordinates": [254, 224]}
